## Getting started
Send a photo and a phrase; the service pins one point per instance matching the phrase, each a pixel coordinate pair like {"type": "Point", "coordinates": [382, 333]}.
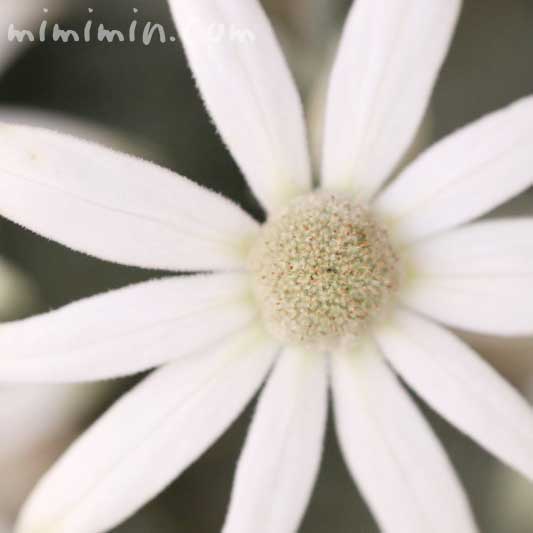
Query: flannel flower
{"type": "Point", "coordinates": [345, 286]}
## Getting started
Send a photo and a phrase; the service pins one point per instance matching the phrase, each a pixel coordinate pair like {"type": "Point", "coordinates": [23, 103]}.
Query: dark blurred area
{"type": "Point", "coordinates": [146, 94]}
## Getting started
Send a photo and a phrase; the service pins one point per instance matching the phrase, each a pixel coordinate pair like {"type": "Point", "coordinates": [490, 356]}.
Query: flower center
{"type": "Point", "coordinates": [323, 268]}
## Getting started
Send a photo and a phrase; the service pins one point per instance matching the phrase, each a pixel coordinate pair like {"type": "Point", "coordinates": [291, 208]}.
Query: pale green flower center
{"type": "Point", "coordinates": [323, 268]}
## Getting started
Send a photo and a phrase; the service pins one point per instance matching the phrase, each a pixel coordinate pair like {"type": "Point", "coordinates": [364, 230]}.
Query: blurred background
{"type": "Point", "coordinates": [142, 99]}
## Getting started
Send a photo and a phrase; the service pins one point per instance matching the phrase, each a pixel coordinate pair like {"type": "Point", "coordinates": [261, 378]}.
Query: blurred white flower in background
{"type": "Point", "coordinates": [36, 421]}
{"type": "Point", "coordinates": [330, 291]}
{"type": "Point", "coordinates": [24, 15]}
{"type": "Point", "coordinates": [17, 292]}
{"type": "Point", "coordinates": [29, 14]}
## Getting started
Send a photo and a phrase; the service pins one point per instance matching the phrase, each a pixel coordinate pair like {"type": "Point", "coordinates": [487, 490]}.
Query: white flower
{"type": "Point", "coordinates": [24, 15]}
{"type": "Point", "coordinates": [37, 421]}
{"type": "Point", "coordinates": [398, 254]}
{"type": "Point", "coordinates": [15, 290]}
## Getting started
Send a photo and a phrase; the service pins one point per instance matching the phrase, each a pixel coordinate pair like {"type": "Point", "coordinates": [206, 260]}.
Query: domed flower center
{"type": "Point", "coordinates": [323, 268]}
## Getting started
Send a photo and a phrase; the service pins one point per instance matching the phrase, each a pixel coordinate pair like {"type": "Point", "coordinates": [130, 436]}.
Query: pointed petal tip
{"type": "Point", "coordinates": [119, 208]}
{"type": "Point", "coordinates": [248, 74]}
{"type": "Point", "coordinates": [389, 51]}
{"type": "Point", "coordinates": [457, 383]}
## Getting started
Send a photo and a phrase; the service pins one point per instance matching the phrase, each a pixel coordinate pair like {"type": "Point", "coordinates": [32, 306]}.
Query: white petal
{"type": "Point", "coordinates": [16, 290]}
{"type": "Point", "coordinates": [462, 387]}
{"type": "Point", "coordinates": [114, 206]}
{"type": "Point", "coordinates": [393, 455]}
{"type": "Point", "coordinates": [148, 438]}
{"type": "Point", "coordinates": [479, 277]}
{"type": "Point", "coordinates": [280, 460]}
{"type": "Point", "coordinates": [465, 175]}
{"type": "Point", "coordinates": [389, 58]}
{"type": "Point", "coordinates": [246, 85]}
{"type": "Point", "coordinates": [125, 331]}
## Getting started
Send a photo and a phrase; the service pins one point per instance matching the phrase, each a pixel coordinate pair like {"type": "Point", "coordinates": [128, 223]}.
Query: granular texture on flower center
{"type": "Point", "coordinates": [323, 268]}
